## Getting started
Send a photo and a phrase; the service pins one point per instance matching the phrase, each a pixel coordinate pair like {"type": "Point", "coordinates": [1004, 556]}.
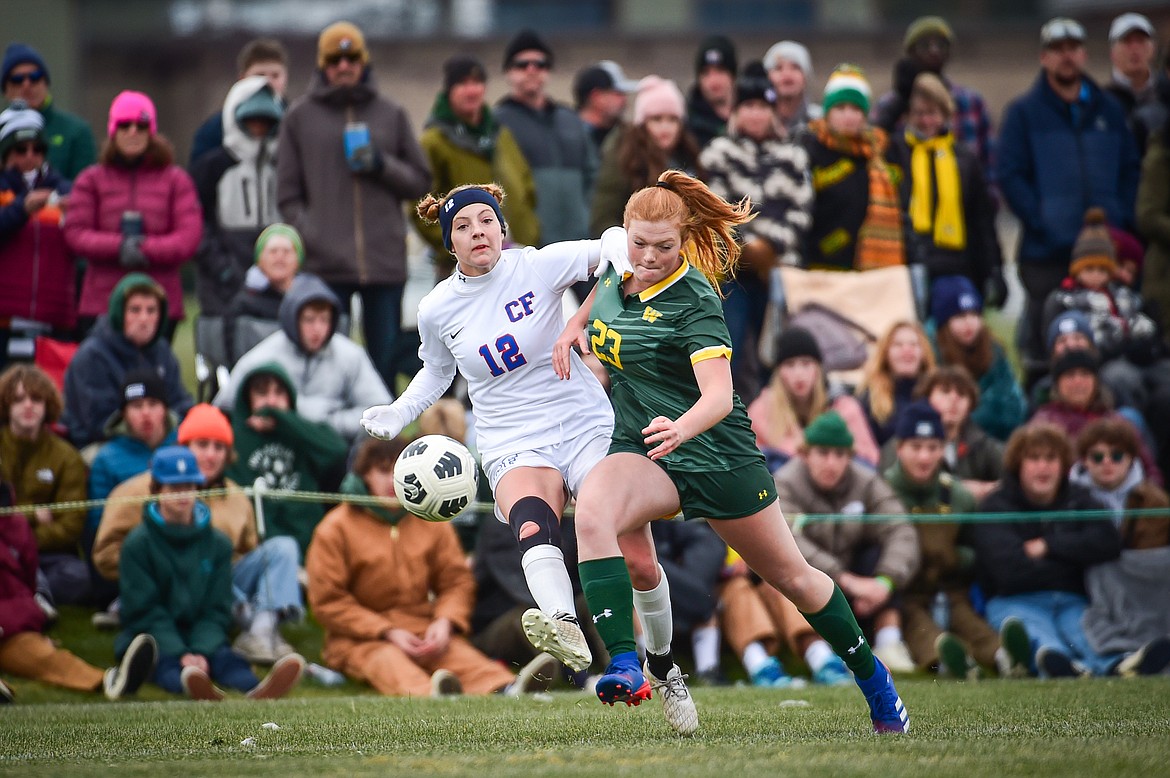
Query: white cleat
{"type": "Point", "coordinates": [558, 635]}
{"type": "Point", "coordinates": [677, 704]}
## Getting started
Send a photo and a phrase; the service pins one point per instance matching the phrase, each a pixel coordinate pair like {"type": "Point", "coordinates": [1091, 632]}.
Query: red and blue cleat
{"type": "Point", "coordinates": [623, 681]}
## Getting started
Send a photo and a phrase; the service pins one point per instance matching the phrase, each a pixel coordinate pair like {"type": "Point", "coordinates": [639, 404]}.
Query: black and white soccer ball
{"type": "Point", "coordinates": [436, 477]}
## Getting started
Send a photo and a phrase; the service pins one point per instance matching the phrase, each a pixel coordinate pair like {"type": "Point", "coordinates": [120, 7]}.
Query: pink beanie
{"type": "Point", "coordinates": [657, 97]}
{"type": "Point", "coordinates": [131, 107]}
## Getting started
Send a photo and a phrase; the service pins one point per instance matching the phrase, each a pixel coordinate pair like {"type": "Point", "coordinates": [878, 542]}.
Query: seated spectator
{"type": "Point", "coordinates": [37, 265]}
{"type": "Point", "coordinates": [177, 587]}
{"type": "Point", "coordinates": [237, 191]}
{"type": "Point", "coordinates": [963, 338]}
{"type": "Point", "coordinates": [902, 356]}
{"type": "Point", "coordinates": [28, 653]}
{"type": "Point", "coordinates": [135, 210]}
{"type": "Point", "coordinates": [964, 642]}
{"type": "Point", "coordinates": [1034, 571]}
{"type": "Point", "coordinates": [870, 561]}
{"type": "Point", "coordinates": [1127, 597]}
{"type": "Point", "coordinates": [254, 312]}
{"type": "Point", "coordinates": [394, 595]}
{"type": "Point", "coordinates": [276, 443]}
{"type": "Point", "coordinates": [42, 469]}
{"type": "Point", "coordinates": [334, 379]}
{"type": "Point", "coordinates": [798, 393]}
{"type": "Point", "coordinates": [126, 338]}
{"type": "Point", "coordinates": [264, 574]}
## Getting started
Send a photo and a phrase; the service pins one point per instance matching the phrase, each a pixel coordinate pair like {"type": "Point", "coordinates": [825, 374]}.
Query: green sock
{"type": "Point", "coordinates": [838, 626]}
{"type": "Point", "coordinates": [610, 596]}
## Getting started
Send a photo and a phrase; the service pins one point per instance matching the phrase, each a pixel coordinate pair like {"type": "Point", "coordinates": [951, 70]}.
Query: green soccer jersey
{"type": "Point", "coordinates": [649, 343]}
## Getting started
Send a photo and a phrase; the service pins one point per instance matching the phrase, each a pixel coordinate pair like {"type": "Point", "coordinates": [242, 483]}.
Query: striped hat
{"type": "Point", "coordinates": [847, 84]}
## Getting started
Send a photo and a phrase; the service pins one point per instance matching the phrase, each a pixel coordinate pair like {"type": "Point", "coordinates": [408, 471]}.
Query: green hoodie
{"type": "Point", "coordinates": [117, 311]}
{"type": "Point", "coordinates": [947, 560]}
{"type": "Point", "coordinates": [297, 455]}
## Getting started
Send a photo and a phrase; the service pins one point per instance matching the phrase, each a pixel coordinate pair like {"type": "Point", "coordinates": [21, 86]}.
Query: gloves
{"type": "Point", "coordinates": [905, 71]}
{"type": "Point", "coordinates": [382, 421]}
{"type": "Point", "coordinates": [995, 290]}
{"type": "Point", "coordinates": [366, 160]}
{"type": "Point", "coordinates": [615, 252]}
{"type": "Point", "coordinates": [130, 254]}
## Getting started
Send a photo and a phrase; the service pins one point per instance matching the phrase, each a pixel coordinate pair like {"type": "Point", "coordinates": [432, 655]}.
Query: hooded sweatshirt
{"type": "Point", "coordinates": [124, 457]}
{"type": "Point", "coordinates": [334, 385]}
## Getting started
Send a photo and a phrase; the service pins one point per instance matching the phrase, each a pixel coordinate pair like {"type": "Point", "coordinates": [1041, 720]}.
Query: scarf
{"type": "Point", "coordinates": [879, 241]}
{"type": "Point", "coordinates": [949, 228]}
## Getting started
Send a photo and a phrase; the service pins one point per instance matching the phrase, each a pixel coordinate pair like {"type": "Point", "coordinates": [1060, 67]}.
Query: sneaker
{"type": "Point", "coordinates": [283, 676]}
{"type": "Point", "coordinates": [136, 666]}
{"type": "Point", "coordinates": [108, 620]}
{"type": "Point", "coordinates": [559, 635]}
{"type": "Point", "coordinates": [198, 685]}
{"type": "Point", "coordinates": [677, 704]}
{"type": "Point", "coordinates": [46, 606]}
{"type": "Point", "coordinates": [623, 681]}
{"type": "Point", "coordinates": [257, 649]}
{"type": "Point", "coordinates": [7, 696]}
{"type": "Point", "coordinates": [833, 673]}
{"type": "Point", "coordinates": [281, 647]}
{"type": "Point", "coordinates": [896, 657]}
{"type": "Point", "coordinates": [1055, 664]}
{"type": "Point", "coordinates": [772, 675]}
{"type": "Point", "coordinates": [536, 676]}
{"type": "Point", "coordinates": [1150, 659]}
{"type": "Point", "coordinates": [886, 710]}
{"type": "Point", "coordinates": [1014, 656]}
{"type": "Point", "coordinates": [445, 683]}
{"type": "Point", "coordinates": [953, 659]}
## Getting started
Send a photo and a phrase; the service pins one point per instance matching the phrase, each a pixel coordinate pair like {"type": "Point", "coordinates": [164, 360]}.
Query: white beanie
{"type": "Point", "coordinates": [793, 52]}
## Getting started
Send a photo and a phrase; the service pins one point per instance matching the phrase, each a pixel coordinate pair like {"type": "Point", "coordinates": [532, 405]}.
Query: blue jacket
{"type": "Point", "coordinates": [1051, 170]}
{"type": "Point", "coordinates": [120, 460]}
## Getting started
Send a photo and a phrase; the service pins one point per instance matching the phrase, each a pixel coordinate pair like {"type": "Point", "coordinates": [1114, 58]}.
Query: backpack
{"type": "Point", "coordinates": [843, 342]}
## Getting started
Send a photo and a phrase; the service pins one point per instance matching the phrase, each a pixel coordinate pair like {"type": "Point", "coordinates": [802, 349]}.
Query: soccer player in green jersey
{"type": "Point", "coordinates": [682, 439]}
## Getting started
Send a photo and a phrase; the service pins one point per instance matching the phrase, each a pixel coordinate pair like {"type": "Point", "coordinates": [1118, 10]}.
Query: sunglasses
{"type": "Point", "coordinates": [1115, 455]}
{"type": "Point", "coordinates": [21, 149]}
{"type": "Point", "coordinates": [140, 126]}
{"type": "Point", "coordinates": [33, 76]}
{"type": "Point", "coordinates": [524, 64]}
{"type": "Point", "coordinates": [350, 57]}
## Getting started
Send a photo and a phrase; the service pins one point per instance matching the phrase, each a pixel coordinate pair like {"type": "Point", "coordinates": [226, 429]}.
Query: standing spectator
{"type": "Point", "coordinates": [36, 263]}
{"type": "Point", "coordinates": [237, 189]}
{"type": "Point", "coordinates": [1131, 52]}
{"type": "Point", "coordinates": [1064, 147]}
{"type": "Point", "coordinates": [25, 76]}
{"type": "Point", "coordinates": [1153, 215]}
{"type": "Point", "coordinates": [128, 337]}
{"type": "Point", "coordinates": [712, 96]}
{"type": "Point", "coordinates": [856, 215]}
{"type": "Point", "coordinates": [348, 160]}
{"type": "Point", "coordinates": [1149, 120]}
{"type": "Point", "coordinates": [554, 141]}
{"type": "Point", "coordinates": [902, 356]}
{"type": "Point", "coordinates": [259, 57]}
{"type": "Point", "coordinates": [600, 92]}
{"type": "Point", "coordinates": [465, 144]}
{"type": "Point", "coordinates": [135, 210]}
{"type": "Point", "coordinates": [254, 312]}
{"type": "Point", "coordinates": [42, 469]}
{"type": "Point", "coordinates": [790, 70]}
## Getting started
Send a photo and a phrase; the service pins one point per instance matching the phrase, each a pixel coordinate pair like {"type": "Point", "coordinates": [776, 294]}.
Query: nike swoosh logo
{"type": "Point", "coordinates": [455, 334]}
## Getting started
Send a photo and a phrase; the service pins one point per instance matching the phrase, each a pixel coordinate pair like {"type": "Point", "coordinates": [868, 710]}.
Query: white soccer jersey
{"type": "Point", "coordinates": [498, 330]}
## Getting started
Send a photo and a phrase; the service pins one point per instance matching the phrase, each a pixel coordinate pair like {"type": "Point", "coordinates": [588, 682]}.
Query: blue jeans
{"type": "Point", "coordinates": [228, 669]}
{"type": "Point", "coordinates": [389, 347]}
{"type": "Point", "coordinates": [744, 307]}
{"type": "Point", "coordinates": [1053, 620]}
{"type": "Point", "coordinates": [266, 578]}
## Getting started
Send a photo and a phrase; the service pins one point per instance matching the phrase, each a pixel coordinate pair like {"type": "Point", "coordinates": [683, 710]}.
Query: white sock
{"type": "Point", "coordinates": [705, 644]}
{"type": "Point", "coordinates": [887, 636]}
{"type": "Point", "coordinates": [818, 655]}
{"type": "Point", "coordinates": [548, 580]}
{"type": "Point", "coordinates": [755, 656]}
{"type": "Point", "coordinates": [653, 608]}
{"type": "Point", "coordinates": [263, 623]}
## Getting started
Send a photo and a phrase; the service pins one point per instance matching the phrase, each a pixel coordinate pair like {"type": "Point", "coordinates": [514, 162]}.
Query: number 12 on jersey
{"type": "Point", "coordinates": [607, 344]}
{"type": "Point", "coordinates": [509, 352]}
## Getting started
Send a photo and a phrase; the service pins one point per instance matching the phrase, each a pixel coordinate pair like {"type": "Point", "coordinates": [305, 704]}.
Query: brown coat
{"type": "Point", "coordinates": [1147, 531]}
{"type": "Point", "coordinates": [231, 514]}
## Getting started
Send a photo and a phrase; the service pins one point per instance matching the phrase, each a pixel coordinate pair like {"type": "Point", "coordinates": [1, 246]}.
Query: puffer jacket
{"type": "Point", "coordinates": [19, 612]}
{"type": "Point", "coordinates": [1121, 328]}
{"type": "Point", "coordinates": [35, 262]}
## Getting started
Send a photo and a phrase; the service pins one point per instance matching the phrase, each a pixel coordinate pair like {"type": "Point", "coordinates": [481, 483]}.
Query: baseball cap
{"type": "Point", "coordinates": [605, 74]}
{"type": "Point", "coordinates": [1128, 22]}
{"type": "Point", "coordinates": [1060, 29]}
{"type": "Point", "coordinates": [175, 465]}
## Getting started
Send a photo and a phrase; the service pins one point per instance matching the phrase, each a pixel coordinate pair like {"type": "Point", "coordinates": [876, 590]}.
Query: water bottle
{"type": "Point", "coordinates": [323, 675]}
{"type": "Point", "coordinates": [940, 610]}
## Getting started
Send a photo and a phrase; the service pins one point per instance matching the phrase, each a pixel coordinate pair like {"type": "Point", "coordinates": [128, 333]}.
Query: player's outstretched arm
{"type": "Point", "coordinates": [573, 335]}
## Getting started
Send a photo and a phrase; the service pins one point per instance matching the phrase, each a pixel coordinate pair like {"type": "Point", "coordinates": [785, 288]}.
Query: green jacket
{"type": "Point", "coordinates": [71, 145]}
{"type": "Point", "coordinates": [1153, 220]}
{"type": "Point", "coordinates": [297, 455]}
{"type": "Point", "coordinates": [462, 154]}
{"type": "Point", "coordinates": [46, 470]}
{"type": "Point", "coordinates": [946, 561]}
{"type": "Point", "coordinates": [176, 584]}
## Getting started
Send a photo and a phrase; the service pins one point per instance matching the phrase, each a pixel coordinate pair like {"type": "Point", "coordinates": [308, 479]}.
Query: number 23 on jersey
{"type": "Point", "coordinates": [607, 344]}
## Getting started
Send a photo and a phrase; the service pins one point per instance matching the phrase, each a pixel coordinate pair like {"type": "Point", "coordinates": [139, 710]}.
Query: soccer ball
{"type": "Point", "coordinates": [436, 477]}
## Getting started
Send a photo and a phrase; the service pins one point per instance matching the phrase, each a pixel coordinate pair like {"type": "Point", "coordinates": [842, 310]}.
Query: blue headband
{"type": "Point", "coordinates": [457, 202]}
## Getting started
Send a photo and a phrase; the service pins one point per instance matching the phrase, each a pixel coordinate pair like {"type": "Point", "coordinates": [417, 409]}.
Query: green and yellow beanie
{"type": "Point", "coordinates": [847, 84]}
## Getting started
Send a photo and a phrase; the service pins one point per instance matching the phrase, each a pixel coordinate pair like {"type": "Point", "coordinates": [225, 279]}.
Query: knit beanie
{"type": "Point", "coordinates": [143, 382]}
{"type": "Point", "coordinates": [1094, 247]}
{"type": "Point", "coordinates": [1072, 360]}
{"type": "Point", "coordinates": [797, 342]}
{"type": "Point", "coordinates": [754, 85]}
{"type": "Point", "coordinates": [1067, 323]}
{"type": "Point", "coordinates": [919, 419]}
{"type": "Point", "coordinates": [206, 422]}
{"type": "Point", "coordinates": [847, 84]}
{"type": "Point", "coordinates": [526, 40]}
{"type": "Point", "coordinates": [19, 124]}
{"type": "Point", "coordinates": [131, 106]}
{"type": "Point", "coordinates": [792, 52]}
{"type": "Point", "coordinates": [657, 97]}
{"type": "Point", "coordinates": [926, 25]}
{"type": "Point", "coordinates": [717, 51]}
{"type": "Point", "coordinates": [828, 431]}
{"type": "Point", "coordinates": [286, 230]}
{"type": "Point", "coordinates": [20, 54]}
{"type": "Point", "coordinates": [341, 38]}
{"type": "Point", "coordinates": [460, 68]}
{"type": "Point", "coordinates": [1127, 248]}
{"type": "Point", "coordinates": [951, 296]}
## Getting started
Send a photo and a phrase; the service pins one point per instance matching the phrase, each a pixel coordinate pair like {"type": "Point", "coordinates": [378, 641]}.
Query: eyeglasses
{"type": "Point", "coordinates": [33, 76]}
{"type": "Point", "coordinates": [1115, 455]}
{"type": "Point", "coordinates": [21, 149]}
{"type": "Point", "coordinates": [140, 126]}
{"type": "Point", "coordinates": [524, 64]}
{"type": "Point", "coordinates": [351, 57]}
